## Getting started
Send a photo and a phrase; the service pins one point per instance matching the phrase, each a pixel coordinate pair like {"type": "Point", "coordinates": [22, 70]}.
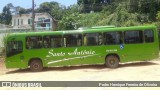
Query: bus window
{"type": "Point", "coordinates": [100, 39]}
{"type": "Point", "coordinates": [73, 40]}
{"type": "Point", "coordinates": [52, 41]}
{"type": "Point", "coordinates": [14, 47]}
{"type": "Point", "coordinates": [111, 38]}
{"type": "Point", "coordinates": [34, 42]}
{"type": "Point", "coordinates": [132, 37]}
{"type": "Point", "coordinates": [149, 37]}
{"type": "Point", "coordinates": [92, 39]}
{"type": "Point", "coordinates": [47, 41]}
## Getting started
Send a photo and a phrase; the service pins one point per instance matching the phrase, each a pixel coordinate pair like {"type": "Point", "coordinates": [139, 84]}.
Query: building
{"type": "Point", "coordinates": [43, 21]}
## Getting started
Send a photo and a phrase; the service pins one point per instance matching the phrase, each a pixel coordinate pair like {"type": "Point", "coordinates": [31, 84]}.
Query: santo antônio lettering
{"type": "Point", "coordinates": [75, 52]}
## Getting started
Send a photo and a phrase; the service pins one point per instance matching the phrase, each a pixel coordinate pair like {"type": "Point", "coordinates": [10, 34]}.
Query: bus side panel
{"type": "Point", "coordinates": [82, 55]}
{"type": "Point", "coordinates": [17, 60]}
{"type": "Point", "coordinates": [16, 65]}
{"type": "Point", "coordinates": [139, 52]}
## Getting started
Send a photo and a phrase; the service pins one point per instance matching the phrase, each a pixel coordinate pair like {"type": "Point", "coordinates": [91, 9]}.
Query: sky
{"type": "Point", "coordinates": [28, 3]}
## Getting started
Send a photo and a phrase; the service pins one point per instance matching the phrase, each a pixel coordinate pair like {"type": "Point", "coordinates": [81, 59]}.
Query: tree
{"type": "Point", "coordinates": [133, 5]}
{"type": "Point", "coordinates": [92, 5]}
{"type": "Point", "coordinates": [71, 9]}
{"type": "Point", "coordinates": [149, 7]}
{"type": "Point", "coordinates": [6, 16]}
{"type": "Point", "coordinates": [118, 16]}
{"type": "Point", "coordinates": [1, 18]}
{"type": "Point", "coordinates": [53, 8]}
{"type": "Point", "coordinates": [22, 11]}
{"type": "Point", "coordinates": [69, 22]}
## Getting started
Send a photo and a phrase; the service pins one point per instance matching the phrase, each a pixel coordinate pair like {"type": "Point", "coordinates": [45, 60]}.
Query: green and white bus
{"type": "Point", "coordinates": [98, 45]}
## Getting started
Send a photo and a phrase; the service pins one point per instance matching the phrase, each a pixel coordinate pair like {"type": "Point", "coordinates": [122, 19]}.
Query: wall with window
{"type": "Point", "coordinates": [43, 24]}
{"type": "Point", "coordinates": [43, 21]}
{"type": "Point", "coordinates": [20, 20]}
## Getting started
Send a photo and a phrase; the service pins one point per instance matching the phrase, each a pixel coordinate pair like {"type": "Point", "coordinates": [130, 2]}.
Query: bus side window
{"type": "Point", "coordinates": [132, 37]}
{"type": "Point", "coordinates": [55, 41]}
{"type": "Point", "coordinates": [91, 39]}
{"type": "Point", "coordinates": [100, 39]}
{"type": "Point", "coordinates": [46, 42]}
{"type": "Point", "coordinates": [58, 41]}
{"type": "Point", "coordinates": [79, 39]}
{"type": "Point", "coordinates": [149, 37]}
{"type": "Point", "coordinates": [65, 44]}
{"type": "Point", "coordinates": [34, 42]}
{"type": "Point", "coordinates": [111, 38]}
{"type": "Point", "coordinates": [40, 43]}
{"type": "Point", "coordinates": [85, 40]}
{"type": "Point", "coordinates": [73, 40]}
{"type": "Point", "coordinates": [28, 43]}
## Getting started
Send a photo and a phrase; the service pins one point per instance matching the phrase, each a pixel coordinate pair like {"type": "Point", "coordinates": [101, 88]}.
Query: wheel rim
{"type": "Point", "coordinates": [112, 62]}
{"type": "Point", "coordinates": [36, 66]}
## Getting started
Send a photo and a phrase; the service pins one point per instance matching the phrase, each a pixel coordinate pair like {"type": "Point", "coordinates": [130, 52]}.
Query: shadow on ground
{"type": "Point", "coordinates": [96, 67]}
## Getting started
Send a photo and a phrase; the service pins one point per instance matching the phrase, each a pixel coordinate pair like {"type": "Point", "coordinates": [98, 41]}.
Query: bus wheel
{"type": "Point", "coordinates": [36, 66]}
{"type": "Point", "coordinates": [112, 61]}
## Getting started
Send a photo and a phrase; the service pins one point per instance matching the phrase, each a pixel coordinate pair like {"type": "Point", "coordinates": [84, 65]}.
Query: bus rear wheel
{"type": "Point", "coordinates": [112, 61]}
{"type": "Point", "coordinates": [36, 66]}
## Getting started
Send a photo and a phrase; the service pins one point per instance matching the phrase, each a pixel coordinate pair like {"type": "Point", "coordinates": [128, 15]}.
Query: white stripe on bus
{"type": "Point", "coordinates": [71, 59]}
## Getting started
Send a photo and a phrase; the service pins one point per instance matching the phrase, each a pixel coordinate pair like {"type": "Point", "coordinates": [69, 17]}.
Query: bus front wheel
{"type": "Point", "coordinates": [112, 61]}
{"type": "Point", "coordinates": [36, 66]}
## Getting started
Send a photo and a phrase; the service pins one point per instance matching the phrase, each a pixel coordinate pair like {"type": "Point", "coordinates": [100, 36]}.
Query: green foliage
{"type": "Point", "coordinates": [76, 20]}
{"type": "Point", "coordinates": [158, 16]}
{"type": "Point", "coordinates": [6, 16]}
{"type": "Point", "coordinates": [120, 13]}
{"type": "Point", "coordinates": [71, 9]}
{"type": "Point", "coordinates": [91, 19]}
{"type": "Point", "coordinates": [3, 49]}
{"type": "Point", "coordinates": [119, 16]}
{"type": "Point", "coordinates": [158, 19]}
{"type": "Point", "coordinates": [22, 10]}
{"type": "Point", "coordinates": [69, 22]}
{"type": "Point", "coordinates": [53, 8]}
{"type": "Point", "coordinates": [87, 13]}
{"type": "Point", "coordinates": [122, 17]}
{"type": "Point", "coordinates": [87, 6]}
{"type": "Point", "coordinates": [150, 7]}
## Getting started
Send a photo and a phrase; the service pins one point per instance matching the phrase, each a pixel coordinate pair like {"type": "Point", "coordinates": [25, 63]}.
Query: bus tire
{"type": "Point", "coordinates": [36, 66]}
{"type": "Point", "coordinates": [112, 61]}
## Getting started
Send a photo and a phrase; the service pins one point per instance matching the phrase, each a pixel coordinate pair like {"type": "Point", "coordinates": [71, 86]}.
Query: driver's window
{"type": "Point", "coordinates": [14, 47]}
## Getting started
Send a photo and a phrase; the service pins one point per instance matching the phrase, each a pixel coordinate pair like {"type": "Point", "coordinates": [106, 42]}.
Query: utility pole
{"type": "Point", "coordinates": [33, 16]}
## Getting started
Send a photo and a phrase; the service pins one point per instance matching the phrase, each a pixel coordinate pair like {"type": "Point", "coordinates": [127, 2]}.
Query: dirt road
{"type": "Point", "coordinates": [144, 71]}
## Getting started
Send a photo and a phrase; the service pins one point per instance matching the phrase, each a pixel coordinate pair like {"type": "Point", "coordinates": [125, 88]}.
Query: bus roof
{"type": "Point", "coordinates": [96, 27]}
{"type": "Point", "coordinates": [87, 30]}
